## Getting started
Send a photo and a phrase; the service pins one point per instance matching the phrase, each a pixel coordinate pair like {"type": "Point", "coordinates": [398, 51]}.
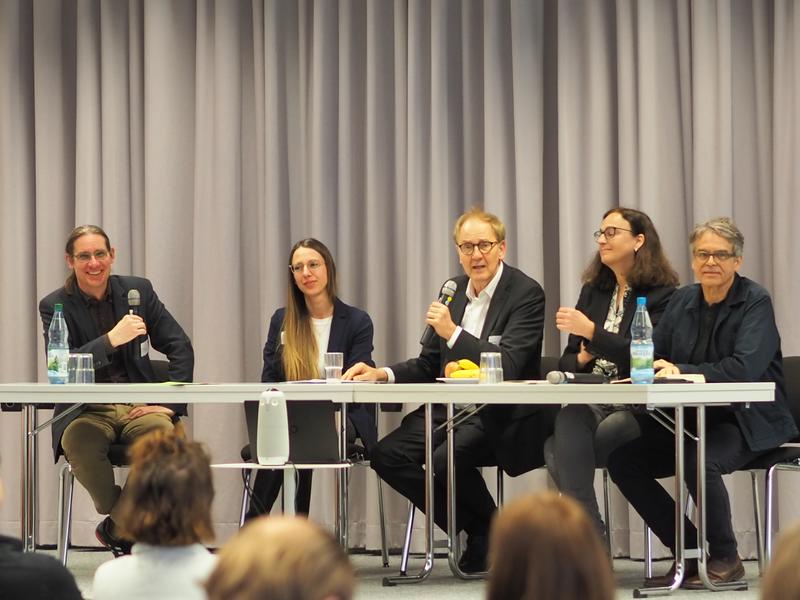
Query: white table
{"type": "Point", "coordinates": [677, 396]}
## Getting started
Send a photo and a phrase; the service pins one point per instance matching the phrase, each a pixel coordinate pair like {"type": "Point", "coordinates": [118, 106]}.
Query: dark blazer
{"type": "Point", "coordinates": [516, 317]}
{"type": "Point", "coordinates": [165, 334]}
{"type": "Point", "coordinates": [745, 346]}
{"type": "Point", "coordinates": [594, 303]}
{"type": "Point", "coordinates": [351, 334]}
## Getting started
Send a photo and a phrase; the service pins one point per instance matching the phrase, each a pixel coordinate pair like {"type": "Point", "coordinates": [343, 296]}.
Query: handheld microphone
{"type": "Point", "coordinates": [557, 377]}
{"type": "Point", "coordinates": [134, 301]}
{"type": "Point", "coordinates": [445, 297]}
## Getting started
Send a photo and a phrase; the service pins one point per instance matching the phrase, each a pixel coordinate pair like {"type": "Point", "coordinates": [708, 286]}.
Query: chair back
{"type": "Point", "coordinates": [161, 370]}
{"type": "Point", "coordinates": [791, 376]}
{"type": "Point", "coordinates": [549, 363]}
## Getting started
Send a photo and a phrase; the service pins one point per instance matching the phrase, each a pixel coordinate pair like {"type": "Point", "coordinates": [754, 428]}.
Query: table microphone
{"type": "Point", "coordinates": [567, 377]}
{"type": "Point", "coordinates": [445, 297]}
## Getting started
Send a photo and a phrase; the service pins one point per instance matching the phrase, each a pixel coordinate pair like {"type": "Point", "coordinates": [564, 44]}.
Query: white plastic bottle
{"type": "Point", "coordinates": [641, 344]}
{"type": "Point", "coordinates": [57, 347]}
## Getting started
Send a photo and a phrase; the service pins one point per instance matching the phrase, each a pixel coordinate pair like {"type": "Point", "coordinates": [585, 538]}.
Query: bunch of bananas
{"type": "Point", "coordinates": [462, 369]}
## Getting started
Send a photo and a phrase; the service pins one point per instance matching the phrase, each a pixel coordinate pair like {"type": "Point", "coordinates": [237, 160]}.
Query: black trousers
{"type": "Point", "coordinates": [635, 467]}
{"type": "Point", "coordinates": [399, 458]}
{"type": "Point", "coordinates": [268, 485]}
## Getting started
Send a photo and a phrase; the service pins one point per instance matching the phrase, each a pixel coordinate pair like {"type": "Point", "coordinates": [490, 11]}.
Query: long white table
{"type": "Point", "coordinates": [677, 396]}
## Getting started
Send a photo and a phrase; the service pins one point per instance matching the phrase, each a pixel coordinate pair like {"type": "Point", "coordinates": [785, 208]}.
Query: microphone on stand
{"type": "Point", "coordinates": [557, 377]}
{"type": "Point", "coordinates": [445, 297]}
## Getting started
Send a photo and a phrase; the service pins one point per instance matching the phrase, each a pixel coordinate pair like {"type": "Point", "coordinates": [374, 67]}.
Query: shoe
{"type": "Point", "coordinates": [667, 578]}
{"type": "Point", "coordinates": [719, 571]}
{"type": "Point", "coordinates": [105, 535]}
{"type": "Point", "coordinates": [474, 558]}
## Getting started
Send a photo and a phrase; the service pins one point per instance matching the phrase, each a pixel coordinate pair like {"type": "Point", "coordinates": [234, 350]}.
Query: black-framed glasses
{"type": "Point", "coordinates": [468, 248]}
{"type": "Point", "coordinates": [609, 232]}
{"type": "Point", "coordinates": [719, 256]}
{"type": "Point", "coordinates": [84, 257]}
{"type": "Point", "coordinates": [313, 265]}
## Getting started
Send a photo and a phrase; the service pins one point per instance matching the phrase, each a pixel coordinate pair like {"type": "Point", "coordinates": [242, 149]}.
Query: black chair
{"type": "Point", "coordinates": [117, 455]}
{"type": "Point", "coordinates": [784, 458]}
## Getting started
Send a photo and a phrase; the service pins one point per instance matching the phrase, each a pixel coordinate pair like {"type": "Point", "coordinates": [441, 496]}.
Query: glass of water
{"type": "Point", "coordinates": [334, 361]}
{"type": "Point", "coordinates": [491, 367]}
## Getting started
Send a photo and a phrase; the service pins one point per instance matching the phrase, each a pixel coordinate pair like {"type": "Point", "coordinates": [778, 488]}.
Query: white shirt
{"type": "Point", "coordinates": [152, 572]}
{"type": "Point", "coordinates": [322, 331]}
{"type": "Point", "coordinates": [474, 314]}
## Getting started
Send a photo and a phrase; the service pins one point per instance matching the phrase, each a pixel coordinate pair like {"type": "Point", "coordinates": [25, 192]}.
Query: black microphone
{"type": "Point", "coordinates": [567, 377]}
{"type": "Point", "coordinates": [445, 297]}
{"type": "Point", "coordinates": [134, 301]}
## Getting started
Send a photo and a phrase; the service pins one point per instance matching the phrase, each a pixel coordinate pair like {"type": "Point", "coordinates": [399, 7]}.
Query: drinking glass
{"type": "Point", "coordinates": [334, 361]}
{"type": "Point", "coordinates": [491, 367]}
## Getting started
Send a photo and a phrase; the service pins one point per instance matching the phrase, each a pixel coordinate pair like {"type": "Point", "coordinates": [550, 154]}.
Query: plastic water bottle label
{"type": "Point", "coordinates": [642, 362]}
{"type": "Point", "coordinates": [57, 359]}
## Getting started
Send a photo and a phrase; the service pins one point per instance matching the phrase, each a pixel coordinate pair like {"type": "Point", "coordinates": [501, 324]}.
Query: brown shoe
{"type": "Point", "coordinates": [667, 578]}
{"type": "Point", "coordinates": [719, 571]}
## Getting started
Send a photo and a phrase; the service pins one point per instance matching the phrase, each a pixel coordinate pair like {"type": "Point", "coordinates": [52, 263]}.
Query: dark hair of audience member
{"type": "Point", "coordinates": [168, 495]}
{"type": "Point", "coordinates": [782, 579]}
{"type": "Point", "coordinates": [282, 558]}
{"type": "Point", "coordinates": [545, 547]}
{"type": "Point", "coordinates": [651, 267]}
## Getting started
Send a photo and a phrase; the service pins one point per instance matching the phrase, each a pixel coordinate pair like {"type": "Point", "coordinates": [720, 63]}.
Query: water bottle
{"type": "Point", "coordinates": [641, 344]}
{"type": "Point", "coordinates": [57, 347]}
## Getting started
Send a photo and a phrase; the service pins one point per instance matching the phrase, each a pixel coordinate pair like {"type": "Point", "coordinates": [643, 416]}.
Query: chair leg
{"type": "Point", "coordinates": [768, 525]}
{"type": "Point", "coordinates": [407, 540]}
{"type": "Point", "coordinates": [500, 487]}
{"type": "Point", "coordinates": [648, 552]}
{"type": "Point", "coordinates": [757, 518]}
{"type": "Point", "coordinates": [247, 475]}
{"type": "Point", "coordinates": [384, 548]}
{"type": "Point", "coordinates": [66, 488]}
{"type": "Point", "coordinates": [607, 509]}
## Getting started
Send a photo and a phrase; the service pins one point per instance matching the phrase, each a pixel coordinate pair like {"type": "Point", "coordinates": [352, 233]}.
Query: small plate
{"type": "Point", "coordinates": [457, 379]}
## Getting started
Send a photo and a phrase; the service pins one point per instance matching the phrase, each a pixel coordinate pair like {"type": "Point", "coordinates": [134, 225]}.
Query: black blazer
{"type": "Point", "coordinates": [745, 346]}
{"type": "Point", "coordinates": [514, 324]}
{"type": "Point", "coordinates": [351, 334]}
{"type": "Point", "coordinates": [165, 334]}
{"type": "Point", "coordinates": [594, 303]}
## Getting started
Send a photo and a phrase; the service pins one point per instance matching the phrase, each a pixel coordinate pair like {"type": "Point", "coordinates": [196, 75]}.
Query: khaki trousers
{"type": "Point", "coordinates": [86, 442]}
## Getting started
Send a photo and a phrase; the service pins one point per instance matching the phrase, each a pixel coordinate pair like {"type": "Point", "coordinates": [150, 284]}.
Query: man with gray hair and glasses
{"type": "Point", "coordinates": [722, 327]}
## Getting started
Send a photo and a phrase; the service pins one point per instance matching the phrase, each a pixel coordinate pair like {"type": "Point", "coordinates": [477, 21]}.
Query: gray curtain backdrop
{"type": "Point", "coordinates": [207, 136]}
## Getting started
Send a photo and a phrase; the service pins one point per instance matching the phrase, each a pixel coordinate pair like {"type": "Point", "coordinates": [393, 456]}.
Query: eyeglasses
{"type": "Point", "coordinates": [313, 265]}
{"type": "Point", "coordinates": [720, 256]}
{"type": "Point", "coordinates": [484, 246]}
{"type": "Point", "coordinates": [609, 232]}
{"type": "Point", "coordinates": [84, 257]}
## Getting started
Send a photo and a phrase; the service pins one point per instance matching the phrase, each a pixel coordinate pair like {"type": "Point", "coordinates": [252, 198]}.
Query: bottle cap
{"type": "Point", "coordinates": [59, 306]}
{"type": "Point", "coordinates": [641, 301]}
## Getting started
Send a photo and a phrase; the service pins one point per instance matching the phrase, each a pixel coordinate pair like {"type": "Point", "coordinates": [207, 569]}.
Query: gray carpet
{"type": "Point", "coordinates": [441, 585]}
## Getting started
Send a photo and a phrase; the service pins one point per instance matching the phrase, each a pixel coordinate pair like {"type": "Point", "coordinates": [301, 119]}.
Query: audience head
{"type": "Point", "coordinates": [545, 547]}
{"type": "Point", "coordinates": [282, 558]}
{"type": "Point", "coordinates": [628, 245]}
{"type": "Point", "coordinates": [717, 247]}
{"type": "Point", "coordinates": [312, 277]}
{"type": "Point", "coordinates": [782, 579]}
{"type": "Point", "coordinates": [480, 237]}
{"type": "Point", "coordinates": [89, 256]}
{"type": "Point", "coordinates": [167, 499]}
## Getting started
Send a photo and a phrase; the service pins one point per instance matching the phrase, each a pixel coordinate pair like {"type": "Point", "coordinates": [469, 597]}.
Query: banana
{"type": "Point", "coordinates": [465, 373]}
{"type": "Point", "coordinates": [465, 363]}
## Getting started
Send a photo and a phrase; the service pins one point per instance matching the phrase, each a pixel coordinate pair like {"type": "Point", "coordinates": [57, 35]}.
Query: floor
{"type": "Point", "coordinates": [441, 585]}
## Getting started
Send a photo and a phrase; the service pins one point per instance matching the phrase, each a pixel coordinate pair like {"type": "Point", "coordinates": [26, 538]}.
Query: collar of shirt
{"type": "Point", "coordinates": [489, 289]}
{"type": "Point", "coordinates": [89, 300]}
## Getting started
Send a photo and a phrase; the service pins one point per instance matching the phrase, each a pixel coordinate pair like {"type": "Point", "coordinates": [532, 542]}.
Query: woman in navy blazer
{"type": "Point", "coordinates": [630, 262]}
{"type": "Point", "coordinates": [314, 321]}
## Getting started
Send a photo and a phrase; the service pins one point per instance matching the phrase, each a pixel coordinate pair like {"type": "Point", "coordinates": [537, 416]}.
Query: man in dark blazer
{"type": "Point", "coordinates": [95, 307]}
{"type": "Point", "coordinates": [496, 308]}
{"type": "Point", "coordinates": [722, 327]}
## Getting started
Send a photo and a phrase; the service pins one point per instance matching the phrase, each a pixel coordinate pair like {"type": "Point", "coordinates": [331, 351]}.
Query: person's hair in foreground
{"type": "Point", "coordinates": [168, 495]}
{"type": "Point", "coordinates": [782, 579]}
{"type": "Point", "coordinates": [545, 547]}
{"type": "Point", "coordinates": [282, 558]}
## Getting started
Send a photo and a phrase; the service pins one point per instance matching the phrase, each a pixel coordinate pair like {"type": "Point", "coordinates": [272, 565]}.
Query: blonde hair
{"type": "Point", "coordinates": [300, 352]}
{"type": "Point", "coordinates": [281, 558]}
{"type": "Point", "coordinates": [481, 215]}
{"type": "Point", "coordinates": [544, 547]}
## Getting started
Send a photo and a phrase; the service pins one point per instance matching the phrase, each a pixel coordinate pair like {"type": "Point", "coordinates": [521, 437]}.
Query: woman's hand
{"type": "Point", "coordinates": [575, 322]}
{"type": "Point", "coordinates": [664, 367]}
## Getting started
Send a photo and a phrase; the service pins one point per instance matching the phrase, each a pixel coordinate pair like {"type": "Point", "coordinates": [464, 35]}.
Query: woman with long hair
{"type": "Point", "coordinates": [629, 262]}
{"type": "Point", "coordinates": [313, 322]}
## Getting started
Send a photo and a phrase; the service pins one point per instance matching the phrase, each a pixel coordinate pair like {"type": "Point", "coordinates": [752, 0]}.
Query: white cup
{"type": "Point", "coordinates": [334, 361]}
{"type": "Point", "coordinates": [80, 368]}
{"type": "Point", "coordinates": [491, 368]}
